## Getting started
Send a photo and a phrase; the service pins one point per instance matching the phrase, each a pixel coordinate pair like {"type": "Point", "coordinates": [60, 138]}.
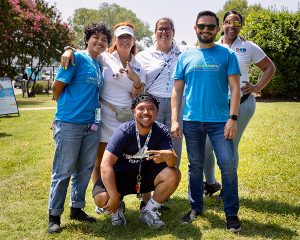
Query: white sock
{"type": "Point", "coordinates": [152, 204]}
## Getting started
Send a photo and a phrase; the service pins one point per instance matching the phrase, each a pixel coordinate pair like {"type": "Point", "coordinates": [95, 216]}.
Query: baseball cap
{"type": "Point", "coordinates": [123, 30]}
{"type": "Point", "coordinates": [144, 97]}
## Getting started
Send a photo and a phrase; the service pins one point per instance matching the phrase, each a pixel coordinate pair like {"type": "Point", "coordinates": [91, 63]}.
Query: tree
{"type": "Point", "coordinates": [278, 34]}
{"type": "Point", "coordinates": [32, 34]}
{"type": "Point", "coordinates": [110, 14]}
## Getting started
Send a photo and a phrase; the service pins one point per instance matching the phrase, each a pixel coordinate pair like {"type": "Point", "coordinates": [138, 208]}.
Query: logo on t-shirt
{"type": "Point", "coordinates": [240, 50]}
{"type": "Point", "coordinates": [208, 64]}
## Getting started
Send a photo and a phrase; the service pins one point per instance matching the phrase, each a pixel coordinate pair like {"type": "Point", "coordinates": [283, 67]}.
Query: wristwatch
{"type": "Point", "coordinates": [233, 117]}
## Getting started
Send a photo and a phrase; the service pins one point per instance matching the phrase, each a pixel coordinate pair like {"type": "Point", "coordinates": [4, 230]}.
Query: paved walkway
{"type": "Point", "coordinates": [36, 108]}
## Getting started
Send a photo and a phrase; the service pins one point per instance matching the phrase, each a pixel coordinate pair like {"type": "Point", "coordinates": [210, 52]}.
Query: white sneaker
{"type": "Point", "coordinates": [118, 218]}
{"type": "Point", "coordinates": [151, 218]}
{"type": "Point", "coordinates": [100, 210]}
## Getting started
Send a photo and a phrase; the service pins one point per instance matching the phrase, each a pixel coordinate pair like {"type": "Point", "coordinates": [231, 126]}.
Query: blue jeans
{"type": "Point", "coordinates": [195, 136]}
{"type": "Point", "coordinates": [75, 154]}
{"type": "Point", "coordinates": [246, 111]}
{"type": "Point", "coordinates": [164, 117]}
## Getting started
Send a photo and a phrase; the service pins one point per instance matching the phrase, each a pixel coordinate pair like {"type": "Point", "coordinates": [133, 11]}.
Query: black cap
{"type": "Point", "coordinates": [144, 97]}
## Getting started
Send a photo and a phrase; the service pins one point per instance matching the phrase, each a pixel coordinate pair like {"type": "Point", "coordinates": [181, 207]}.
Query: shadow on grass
{"type": "Point", "coordinates": [23, 103]}
{"type": "Point", "coordinates": [270, 206]}
{"type": "Point", "coordinates": [179, 206]}
{"type": "Point", "coordinates": [4, 135]}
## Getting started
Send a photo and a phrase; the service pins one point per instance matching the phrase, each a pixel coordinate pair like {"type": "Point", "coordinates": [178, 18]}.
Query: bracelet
{"type": "Point", "coordinates": [137, 87]}
{"type": "Point", "coordinates": [69, 47]}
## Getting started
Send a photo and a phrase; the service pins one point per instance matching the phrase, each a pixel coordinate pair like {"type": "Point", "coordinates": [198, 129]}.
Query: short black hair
{"type": "Point", "coordinates": [145, 97]}
{"type": "Point", "coordinates": [208, 13]}
{"type": "Point", "coordinates": [97, 28]}
{"type": "Point", "coordinates": [235, 13]}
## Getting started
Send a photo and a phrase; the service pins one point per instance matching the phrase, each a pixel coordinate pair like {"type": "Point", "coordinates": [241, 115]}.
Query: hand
{"type": "Point", "coordinates": [249, 88]}
{"type": "Point", "coordinates": [66, 57]}
{"type": "Point", "coordinates": [176, 130]}
{"type": "Point", "coordinates": [230, 129]}
{"type": "Point", "coordinates": [112, 205]}
{"type": "Point", "coordinates": [158, 156]}
{"type": "Point", "coordinates": [131, 74]}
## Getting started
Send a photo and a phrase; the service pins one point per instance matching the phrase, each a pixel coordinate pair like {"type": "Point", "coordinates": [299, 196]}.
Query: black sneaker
{"type": "Point", "coordinates": [210, 189]}
{"type": "Point", "coordinates": [80, 215]}
{"type": "Point", "coordinates": [233, 223]}
{"type": "Point", "coordinates": [54, 224]}
{"type": "Point", "coordinates": [190, 216]}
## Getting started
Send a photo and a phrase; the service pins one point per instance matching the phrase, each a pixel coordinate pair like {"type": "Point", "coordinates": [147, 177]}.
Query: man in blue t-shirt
{"type": "Point", "coordinates": [75, 129]}
{"type": "Point", "coordinates": [205, 74]}
{"type": "Point", "coordinates": [138, 159]}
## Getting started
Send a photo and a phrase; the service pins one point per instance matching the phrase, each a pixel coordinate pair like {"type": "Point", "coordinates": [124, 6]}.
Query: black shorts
{"type": "Point", "coordinates": [126, 180]}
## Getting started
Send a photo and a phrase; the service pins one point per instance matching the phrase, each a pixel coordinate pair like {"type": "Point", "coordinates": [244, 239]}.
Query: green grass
{"type": "Point", "coordinates": [268, 184]}
{"type": "Point", "coordinates": [40, 100]}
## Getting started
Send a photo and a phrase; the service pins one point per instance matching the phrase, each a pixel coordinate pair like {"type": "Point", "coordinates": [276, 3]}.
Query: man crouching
{"type": "Point", "coordinates": [138, 159]}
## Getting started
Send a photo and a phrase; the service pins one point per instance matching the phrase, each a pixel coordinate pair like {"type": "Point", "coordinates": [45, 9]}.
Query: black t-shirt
{"type": "Point", "coordinates": [123, 144]}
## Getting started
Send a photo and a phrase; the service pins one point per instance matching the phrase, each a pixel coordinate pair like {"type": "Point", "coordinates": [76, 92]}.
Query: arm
{"type": "Point", "coordinates": [109, 181]}
{"type": "Point", "coordinates": [268, 68]}
{"type": "Point", "coordinates": [57, 88]}
{"type": "Point", "coordinates": [176, 100]}
{"type": "Point", "coordinates": [159, 156]}
{"type": "Point", "coordinates": [137, 85]}
{"type": "Point", "coordinates": [66, 57]}
{"type": "Point", "coordinates": [231, 125]}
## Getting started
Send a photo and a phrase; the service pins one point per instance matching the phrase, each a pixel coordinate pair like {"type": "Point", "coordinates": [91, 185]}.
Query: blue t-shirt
{"type": "Point", "coordinates": [123, 144]}
{"type": "Point", "coordinates": [79, 98]}
{"type": "Point", "coordinates": [205, 72]}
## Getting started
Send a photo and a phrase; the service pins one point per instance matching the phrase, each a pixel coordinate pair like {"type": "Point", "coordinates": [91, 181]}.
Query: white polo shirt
{"type": "Point", "coordinates": [247, 53]}
{"type": "Point", "coordinates": [157, 62]}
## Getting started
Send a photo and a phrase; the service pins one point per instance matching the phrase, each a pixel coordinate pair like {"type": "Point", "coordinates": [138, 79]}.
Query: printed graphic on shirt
{"type": "Point", "coordinates": [241, 50]}
{"type": "Point", "coordinates": [207, 65]}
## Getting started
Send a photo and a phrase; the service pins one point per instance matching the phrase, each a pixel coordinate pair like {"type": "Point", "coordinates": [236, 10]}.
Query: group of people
{"type": "Point", "coordinates": [120, 118]}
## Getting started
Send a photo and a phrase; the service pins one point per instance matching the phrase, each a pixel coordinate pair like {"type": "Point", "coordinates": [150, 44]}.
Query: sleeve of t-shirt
{"type": "Point", "coordinates": [257, 54]}
{"type": "Point", "coordinates": [233, 65]}
{"type": "Point", "coordinates": [117, 143]}
{"type": "Point", "coordinates": [67, 75]}
{"type": "Point", "coordinates": [178, 73]}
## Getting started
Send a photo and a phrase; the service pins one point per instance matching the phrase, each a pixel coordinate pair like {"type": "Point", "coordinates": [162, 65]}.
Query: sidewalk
{"type": "Point", "coordinates": [36, 108]}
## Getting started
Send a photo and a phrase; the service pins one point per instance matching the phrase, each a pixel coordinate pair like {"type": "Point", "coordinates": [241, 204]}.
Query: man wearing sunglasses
{"type": "Point", "coordinates": [205, 73]}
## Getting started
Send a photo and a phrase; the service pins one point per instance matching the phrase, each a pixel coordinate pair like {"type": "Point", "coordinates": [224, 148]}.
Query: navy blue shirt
{"type": "Point", "coordinates": [124, 142]}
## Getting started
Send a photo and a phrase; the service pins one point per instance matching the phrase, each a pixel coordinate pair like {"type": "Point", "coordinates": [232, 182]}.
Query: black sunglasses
{"type": "Point", "coordinates": [210, 27]}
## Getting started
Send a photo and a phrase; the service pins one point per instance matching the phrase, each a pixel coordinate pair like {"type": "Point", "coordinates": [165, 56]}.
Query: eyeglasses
{"type": "Point", "coordinates": [232, 23]}
{"type": "Point", "coordinates": [165, 29]}
{"type": "Point", "coordinates": [210, 27]}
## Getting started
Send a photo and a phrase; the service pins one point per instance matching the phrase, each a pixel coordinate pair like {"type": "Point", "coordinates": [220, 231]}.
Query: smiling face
{"type": "Point", "coordinates": [206, 29]}
{"type": "Point", "coordinates": [232, 26]}
{"type": "Point", "coordinates": [164, 33]}
{"type": "Point", "coordinates": [145, 114]}
{"type": "Point", "coordinates": [97, 44]}
{"type": "Point", "coordinates": [125, 42]}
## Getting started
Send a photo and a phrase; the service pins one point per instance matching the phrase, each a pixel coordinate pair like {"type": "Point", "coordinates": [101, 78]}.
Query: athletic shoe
{"type": "Point", "coordinates": [118, 218]}
{"type": "Point", "coordinates": [233, 223]}
{"type": "Point", "coordinates": [190, 216]}
{"type": "Point", "coordinates": [54, 224]}
{"type": "Point", "coordinates": [210, 189]}
{"type": "Point", "coordinates": [80, 215]}
{"type": "Point", "coordinates": [99, 210]}
{"type": "Point", "coordinates": [151, 218]}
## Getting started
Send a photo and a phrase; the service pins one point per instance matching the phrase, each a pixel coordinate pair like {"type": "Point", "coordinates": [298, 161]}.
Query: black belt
{"type": "Point", "coordinates": [244, 97]}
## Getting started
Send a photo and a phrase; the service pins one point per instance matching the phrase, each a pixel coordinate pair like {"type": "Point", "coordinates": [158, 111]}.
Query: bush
{"type": "Point", "coordinates": [40, 87]}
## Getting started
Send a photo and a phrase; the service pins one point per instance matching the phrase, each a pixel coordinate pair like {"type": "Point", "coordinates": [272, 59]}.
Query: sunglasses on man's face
{"type": "Point", "coordinates": [232, 23]}
{"type": "Point", "coordinates": [210, 27]}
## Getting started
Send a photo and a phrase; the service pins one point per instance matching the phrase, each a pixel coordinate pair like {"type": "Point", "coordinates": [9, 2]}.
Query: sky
{"type": "Point", "coordinates": [182, 12]}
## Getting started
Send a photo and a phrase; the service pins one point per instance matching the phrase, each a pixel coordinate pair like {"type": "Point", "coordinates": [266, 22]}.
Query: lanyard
{"type": "Point", "coordinates": [141, 152]}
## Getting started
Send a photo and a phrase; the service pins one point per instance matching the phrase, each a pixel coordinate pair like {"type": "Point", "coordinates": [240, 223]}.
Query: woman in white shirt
{"type": "Point", "coordinates": [247, 53]}
{"type": "Point", "coordinates": [159, 62]}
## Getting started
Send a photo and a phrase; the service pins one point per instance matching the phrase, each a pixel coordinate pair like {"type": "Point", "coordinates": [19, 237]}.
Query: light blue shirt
{"type": "Point", "coordinates": [79, 98]}
{"type": "Point", "coordinates": [205, 72]}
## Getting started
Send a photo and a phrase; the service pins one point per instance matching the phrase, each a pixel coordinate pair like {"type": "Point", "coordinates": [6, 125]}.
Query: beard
{"type": "Point", "coordinates": [205, 40]}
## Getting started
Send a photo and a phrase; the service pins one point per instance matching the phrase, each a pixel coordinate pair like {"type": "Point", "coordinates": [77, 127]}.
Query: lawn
{"type": "Point", "coordinates": [268, 183]}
